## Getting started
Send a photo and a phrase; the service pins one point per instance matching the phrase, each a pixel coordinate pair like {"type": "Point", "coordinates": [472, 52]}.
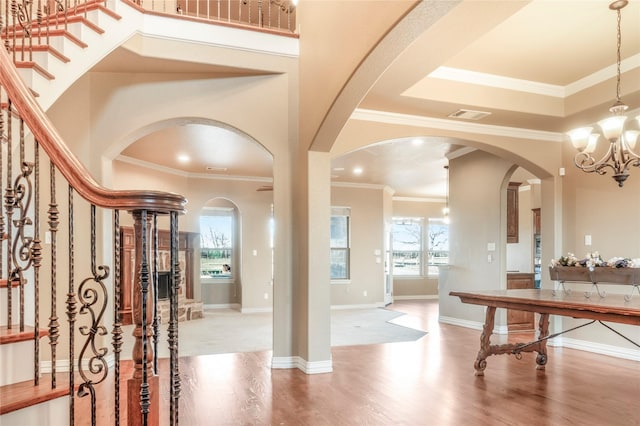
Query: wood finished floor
{"type": "Point", "coordinates": [426, 382]}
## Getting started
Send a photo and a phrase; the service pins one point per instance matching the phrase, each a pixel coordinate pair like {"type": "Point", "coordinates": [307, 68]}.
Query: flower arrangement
{"type": "Point", "coordinates": [593, 260]}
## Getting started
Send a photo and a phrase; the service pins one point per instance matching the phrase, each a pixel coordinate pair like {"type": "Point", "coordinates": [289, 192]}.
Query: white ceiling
{"type": "Point", "coordinates": [524, 70]}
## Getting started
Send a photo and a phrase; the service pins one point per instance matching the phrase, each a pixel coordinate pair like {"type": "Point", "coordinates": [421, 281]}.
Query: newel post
{"type": "Point", "coordinates": [143, 387]}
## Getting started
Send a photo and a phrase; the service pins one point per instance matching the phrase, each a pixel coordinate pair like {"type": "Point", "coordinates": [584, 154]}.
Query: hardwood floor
{"type": "Point", "coordinates": [427, 382]}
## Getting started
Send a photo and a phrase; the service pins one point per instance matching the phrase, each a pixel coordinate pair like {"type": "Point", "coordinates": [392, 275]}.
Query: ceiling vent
{"type": "Point", "coordinates": [469, 114]}
{"type": "Point", "coordinates": [216, 169]}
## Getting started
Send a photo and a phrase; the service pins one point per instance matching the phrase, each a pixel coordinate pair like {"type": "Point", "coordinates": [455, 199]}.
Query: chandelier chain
{"type": "Point", "coordinates": [619, 44]}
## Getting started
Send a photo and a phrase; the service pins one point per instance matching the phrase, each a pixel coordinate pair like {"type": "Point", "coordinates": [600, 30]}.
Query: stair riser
{"type": "Point", "coordinates": [15, 306]}
{"type": "Point", "coordinates": [54, 412]}
{"type": "Point", "coordinates": [16, 363]}
{"type": "Point", "coordinates": [46, 60]}
{"type": "Point", "coordinates": [65, 46]}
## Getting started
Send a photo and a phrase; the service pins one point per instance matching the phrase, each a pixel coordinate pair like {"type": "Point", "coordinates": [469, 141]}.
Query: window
{"type": "Point", "coordinates": [407, 246]}
{"type": "Point", "coordinates": [216, 243]}
{"type": "Point", "coordinates": [414, 246]}
{"type": "Point", "coordinates": [340, 243]}
{"type": "Point", "coordinates": [438, 245]}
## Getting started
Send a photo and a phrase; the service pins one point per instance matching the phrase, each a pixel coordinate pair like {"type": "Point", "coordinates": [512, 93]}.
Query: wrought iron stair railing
{"type": "Point", "coordinates": [60, 269]}
{"type": "Point", "coordinates": [29, 24]}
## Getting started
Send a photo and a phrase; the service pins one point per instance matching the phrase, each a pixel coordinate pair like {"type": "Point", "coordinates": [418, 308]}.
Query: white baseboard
{"type": "Point", "coordinates": [562, 342]}
{"type": "Point", "coordinates": [417, 297]}
{"type": "Point", "coordinates": [222, 306]}
{"type": "Point", "coordinates": [314, 367]}
{"type": "Point", "coordinates": [62, 365]}
{"type": "Point", "coordinates": [500, 329]}
{"type": "Point", "coordinates": [360, 306]}
{"type": "Point", "coordinates": [238, 307]}
{"type": "Point", "coordinates": [598, 348]}
{"type": "Point", "coordinates": [460, 322]}
{"type": "Point", "coordinates": [256, 310]}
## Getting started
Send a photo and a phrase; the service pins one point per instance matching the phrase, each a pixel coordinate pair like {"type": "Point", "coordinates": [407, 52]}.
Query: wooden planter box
{"type": "Point", "coordinates": [629, 276]}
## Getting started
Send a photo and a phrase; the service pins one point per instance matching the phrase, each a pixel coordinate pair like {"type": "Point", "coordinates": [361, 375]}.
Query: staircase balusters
{"type": "Point", "coordinates": [9, 201]}
{"type": "Point", "coordinates": [93, 298]}
{"type": "Point", "coordinates": [71, 307]}
{"type": "Point", "coordinates": [117, 320]}
{"type": "Point", "coordinates": [174, 287]}
{"type": "Point", "coordinates": [53, 221]}
{"type": "Point", "coordinates": [36, 257]}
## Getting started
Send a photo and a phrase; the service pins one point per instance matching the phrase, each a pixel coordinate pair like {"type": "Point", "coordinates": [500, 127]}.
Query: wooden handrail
{"type": "Point", "coordinates": [67, 163]}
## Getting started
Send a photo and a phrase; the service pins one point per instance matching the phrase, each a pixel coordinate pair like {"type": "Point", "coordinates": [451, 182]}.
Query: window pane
{"type": "Point", "coordinates": [438, 245]}
{"type": "Point", "coordinates": [339, 231]}
{"type": "Point", "coordinates": [438, 236]}
{"type": "Point", "coordinates": [216, 241]}
{"type": "Point", "coordinates": [407, 263]}
{"type": "Point", "coordinates": [407, 247]}
{"type": "Point", "coordinates": [339, 264]}
{"type": "Point", "coordinates": [407, 235]}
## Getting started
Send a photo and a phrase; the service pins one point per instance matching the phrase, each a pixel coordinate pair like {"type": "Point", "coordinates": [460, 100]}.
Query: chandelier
{"type": "Point", "coordinates": [620, 154]}
{"type": "Point", "coordinates": [287, 6]}
{"type": "Point", "coordinates": [445, 210]}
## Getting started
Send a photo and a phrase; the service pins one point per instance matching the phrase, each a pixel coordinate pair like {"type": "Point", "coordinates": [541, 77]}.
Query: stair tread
{"type": "Point", "coordinates": [40, 48]}
{"type": "Point", "coordinates": [24, 394]}
{"type": "Point", "coordinates": [13, 334]}
{"type": "Point", "coordinates": [50, 33]}
{"type": "Point", "coordinates": [5, 283]}
{"type": "Point", "coordinates": [37, 68]}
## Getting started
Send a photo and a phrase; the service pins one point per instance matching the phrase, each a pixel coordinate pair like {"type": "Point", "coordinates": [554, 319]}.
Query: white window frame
{"type": "Point", "coordinates": [395, 266]}
{"type": "Point", "coordinates": [346, 213]}
{"type": "Point", "coordinates": [425, 251]}
{"type": "Point", "coordinates": [223, 278]}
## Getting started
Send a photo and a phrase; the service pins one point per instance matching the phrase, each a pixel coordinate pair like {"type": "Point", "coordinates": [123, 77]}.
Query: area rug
{"type": "Point", "coordinates": [229, 331]}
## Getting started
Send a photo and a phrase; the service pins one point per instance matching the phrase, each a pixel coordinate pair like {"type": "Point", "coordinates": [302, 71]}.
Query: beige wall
{"type": "Point", "coordinates": [367, 236]}
{"type": "Point", "coordinates": [594, 205]}
{"type": "Point", "coordinates": [478, 216]}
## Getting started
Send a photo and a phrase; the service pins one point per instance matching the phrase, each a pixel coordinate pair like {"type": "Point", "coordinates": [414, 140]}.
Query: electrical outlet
{"type": "Point", "coordinates": [266, 296]}
{"type": "Point", "coordinates": [364, 293]}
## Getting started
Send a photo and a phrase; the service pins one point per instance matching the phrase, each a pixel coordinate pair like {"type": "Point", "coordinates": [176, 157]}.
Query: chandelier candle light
{"type": "Point", "coordinates": [620, 155]}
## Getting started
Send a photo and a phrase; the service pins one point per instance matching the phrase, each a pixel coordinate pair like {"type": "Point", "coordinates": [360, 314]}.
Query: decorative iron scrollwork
{"type": "Point", "coordinates": [93, 298]}
{"type": "Point", "coordinates": [22, 13]}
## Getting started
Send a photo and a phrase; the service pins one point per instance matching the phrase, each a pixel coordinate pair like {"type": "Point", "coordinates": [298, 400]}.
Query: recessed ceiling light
{"type": "Point", "coordinates": [183, 158]}
{"type": "Point", "coordinates": [357, 170]}
{"type": "Point", "coordinates": [417, 142]}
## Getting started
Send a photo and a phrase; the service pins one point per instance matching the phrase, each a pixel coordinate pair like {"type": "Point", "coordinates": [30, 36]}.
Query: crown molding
{"type": "Point", "coordinates": [604, 74]}
{"type": "Point", "coordinates": [498, 81]}
{"type": "Point", "coordinates": [534, 87]}
{"type": "Point", "coordinates": [420, 199]}
{"type": "Point", "coordinates": [359, 185]}
{"type": "Point", "coordinates": [169, 170]}
{"type": "Point", "coordinates": [452, 125]}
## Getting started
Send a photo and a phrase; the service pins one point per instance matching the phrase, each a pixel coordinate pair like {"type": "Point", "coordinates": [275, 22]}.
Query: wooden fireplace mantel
{"type": "Point", "coordinates": [186, 242]}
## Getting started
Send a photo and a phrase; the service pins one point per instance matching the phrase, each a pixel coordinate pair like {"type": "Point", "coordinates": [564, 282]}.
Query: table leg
{"type": "Point", "coordinates": [543, 332]}
{"type": "Point", "coordinates": [485, 341]}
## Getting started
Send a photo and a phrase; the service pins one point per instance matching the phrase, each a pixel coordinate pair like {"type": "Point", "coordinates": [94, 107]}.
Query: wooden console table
{"type": "Point", "coordinates": [613, 308]}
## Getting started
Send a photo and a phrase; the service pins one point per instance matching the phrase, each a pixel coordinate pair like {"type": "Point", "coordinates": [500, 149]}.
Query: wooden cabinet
{"type": "Point", "coordinates": [186, 244]}
{"type": "Point", "coordinates": [520, 320]}
{"type": "Point", "coordinates": [512, 212]}
{"type": "Point", "coordinates": [536, 221]}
